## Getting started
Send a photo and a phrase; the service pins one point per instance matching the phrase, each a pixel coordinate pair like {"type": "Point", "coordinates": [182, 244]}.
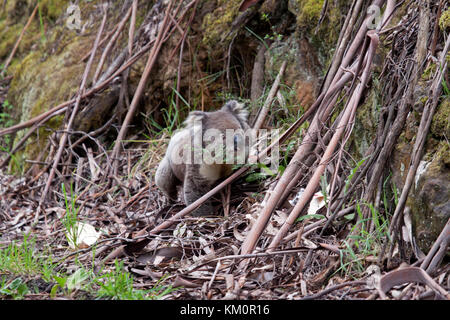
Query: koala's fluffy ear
{"type": "Point", "coordinates": [238, 109]}
{"type": "Point", "coordinates": [194, 117]}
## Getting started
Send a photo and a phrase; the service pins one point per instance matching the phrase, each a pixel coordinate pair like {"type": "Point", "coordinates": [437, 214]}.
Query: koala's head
{"type": "Point", "coordinates": [226, 126]}
{"type": "Point", "coordinates": [232, 115]}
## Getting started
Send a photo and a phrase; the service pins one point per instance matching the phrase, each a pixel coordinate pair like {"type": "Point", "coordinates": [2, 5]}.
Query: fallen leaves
{"type": "Point", "coordinates": [82, 235]}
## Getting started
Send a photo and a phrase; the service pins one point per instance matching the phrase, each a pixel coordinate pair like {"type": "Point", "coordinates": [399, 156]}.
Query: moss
{"type": "Point", "coordinates": [444, 21]}
{"type": "Point", "coordinates": [429, 199]}
{"type": "Point", "coordinates": [309, 11]}
{"type": "Point", "coordinates": [217, 24]}
{"type": "Point", "coordinates": [8, 37]}
{"type": "Point", "coordinates": [440, 125]}
{"type": "Point", "coordinates": [365, 123]}
{"type": "Point", "coordinates": [429, 71]}
{"type": "Point", "coordinates": [18, 10]}
{"type": "Point", "coordinates": [45, 77]}
{"type": "Point", "coordinates": [17, 14]}
{"type": "Point", "coordinates": [443, 153]}
{"type": "Point", "coordinates": [53, 9]}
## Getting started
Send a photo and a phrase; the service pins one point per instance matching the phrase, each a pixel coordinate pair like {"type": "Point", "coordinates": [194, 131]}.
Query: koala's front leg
{"type": "Point", "coordinates": [165, 179]}
{"type": "Point", "coordinates": [195, 186]}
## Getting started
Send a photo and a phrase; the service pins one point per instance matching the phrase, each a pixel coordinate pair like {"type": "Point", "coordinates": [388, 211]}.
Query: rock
{"type": "Point", "coordinates": [303, 66]}
{"type": "Point", "coordinates": [440, 126]}
{"type": "Point", "coordinates": [429, 199]}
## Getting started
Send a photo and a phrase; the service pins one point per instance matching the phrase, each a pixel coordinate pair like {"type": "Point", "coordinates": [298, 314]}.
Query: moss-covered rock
{"type": "Point", "coordinates": [307, 11]}
{"type": "Point", "coordinates": [48, 67]}
{"type": "Point", "coordinates": [429, 199]}
{"type": "Point", "coordinates": [444, 21]}
{"type": "Point", "coordinates": [45, 73]}
{"type": "Point", "coordinates": [217, 23]}
{"type": "Point", "coordinates": [41, 83]}
{"type": "Point", "coordinates": [365, 127]}
{"type": "Point", "coordinates": [303, 67]}
{"type": "Point", "coordinates": [16, 15]}
{"type": "Point", "coordinates": [440, 126]}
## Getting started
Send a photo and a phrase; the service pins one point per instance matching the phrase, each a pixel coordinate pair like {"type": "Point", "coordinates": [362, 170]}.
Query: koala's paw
{"type": "Point", "coordinates": [204, 210]}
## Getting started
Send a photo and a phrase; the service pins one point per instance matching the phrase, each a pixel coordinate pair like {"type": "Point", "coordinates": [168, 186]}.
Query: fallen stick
{"type": "Point", "coordinates": [342, 44]}
{"type": "Point", "coordinates": [333, 288]}
{"type": "Point", "coordinates": [132, 28]}
{"type": "Point", "coordinates": [22, 141]}
{"type": "Point", "coordinates": [62, 107]}
{"type": "Point", "coordinates": [291, 170]}
{"type": "Point", "coordinates": [409, 274]}
{"type": "Point", "coordinates": [438, 250]}
{"type": "Point", "coordinates": [258, 75]}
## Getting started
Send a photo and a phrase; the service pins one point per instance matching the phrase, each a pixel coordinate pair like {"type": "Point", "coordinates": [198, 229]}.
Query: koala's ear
{"type": "Point", "coordinates": [194, 117]}
{"type": "Point", "coordinates": [238, 109]}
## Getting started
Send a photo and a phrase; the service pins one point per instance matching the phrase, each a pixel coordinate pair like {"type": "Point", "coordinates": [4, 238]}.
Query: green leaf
{"type": "Point", "coordinates": [61, 281]}
{"type": "Point", "coordinates": [75, 280]}
{"type": "Point", "coordinates": [310, 216]}
{"type": "Point", "coordinates": [350, 216]}
{"type": "Point", "coordinates": [54, 291]}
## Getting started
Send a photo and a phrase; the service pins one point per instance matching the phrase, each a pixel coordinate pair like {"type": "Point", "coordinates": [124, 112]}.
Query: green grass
{"type": "Point", "coordinates": [41, 24]}
{"type": "Point", "coordinates": [171, 116]}
{"type": "Point", "coordinates": [21, 264]}
{"type": "Point", "coordinates": [257, 37]}
{"type": "Point", "coordinates": [352, 173]}
{"type": "Point", "coordinates": [70, 219]}
{"type": "Point", "coordinates": [15, 289]}
{"type": "Point", "coordinates": [118, 285]}
{"type": "Point", "coordinates": [6, 121]}
{"type": "Point", "coordinates": [445, 89]}
{"type": "Point", "coordinates": [21, 259]}
{"type": "Point", "coordinates": [362, 243]}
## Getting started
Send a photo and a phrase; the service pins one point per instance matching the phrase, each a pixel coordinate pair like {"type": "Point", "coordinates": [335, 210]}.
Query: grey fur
{"type": "Point", "coordinates": [198, 179]}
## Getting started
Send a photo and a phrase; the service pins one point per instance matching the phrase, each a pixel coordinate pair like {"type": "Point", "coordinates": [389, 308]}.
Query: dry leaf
{"type": "Point", "coordinates": [86, 236]}
{"type": "Point", "coordinates": [317, 202]}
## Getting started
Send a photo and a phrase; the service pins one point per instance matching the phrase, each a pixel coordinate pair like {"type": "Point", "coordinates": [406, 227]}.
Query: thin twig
{"type": "Point", "coordinates": [148, 68]}
{"type": "Point", "coordinates": [110, 44]}
{"type": "Point", "coordinates": [68, 126]}
{"type": "Point", "coordinates": [16, 46]}
{"type": "Point", "coordinates": [272, 93]}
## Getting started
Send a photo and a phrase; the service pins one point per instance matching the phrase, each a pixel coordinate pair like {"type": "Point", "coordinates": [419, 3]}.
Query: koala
{"type": "Point", "coordinates": [185, 163]}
